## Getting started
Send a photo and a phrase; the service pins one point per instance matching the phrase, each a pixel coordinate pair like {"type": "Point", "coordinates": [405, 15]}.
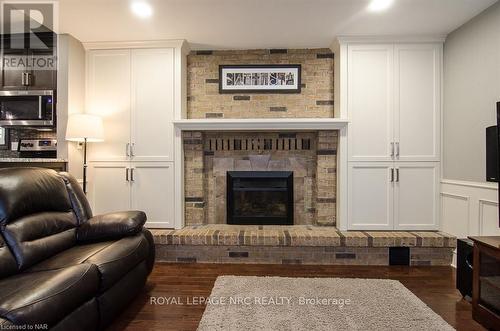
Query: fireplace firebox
{"type": "Point", "coordinates": [260, 197]}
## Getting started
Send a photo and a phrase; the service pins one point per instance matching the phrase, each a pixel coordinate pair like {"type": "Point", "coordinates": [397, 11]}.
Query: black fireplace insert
{"type": "Point", "coordinates": [260, 197]}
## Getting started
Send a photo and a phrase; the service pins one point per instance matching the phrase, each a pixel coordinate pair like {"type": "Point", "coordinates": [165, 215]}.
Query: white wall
{"type": "Point", "coordinates": [71, 97]}
{"type": "Point", "coordinates": [469, 205]}
{"type": "Point", "coordinates": [471, 90]}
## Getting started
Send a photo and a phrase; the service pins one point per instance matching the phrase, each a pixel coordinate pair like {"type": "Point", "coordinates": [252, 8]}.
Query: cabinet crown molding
{"type": "Point", "coordinates": [370, 39]}
{"type": "Point", "coordinates": [182, 44]}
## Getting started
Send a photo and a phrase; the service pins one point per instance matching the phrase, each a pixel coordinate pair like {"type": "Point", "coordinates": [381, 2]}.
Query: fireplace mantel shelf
{"type": "Point", "coordinates": [261, 124]}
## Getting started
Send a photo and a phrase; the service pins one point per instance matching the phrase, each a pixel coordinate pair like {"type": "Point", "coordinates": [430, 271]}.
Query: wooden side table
{"type": "Point", "coordinates": [486, 282]}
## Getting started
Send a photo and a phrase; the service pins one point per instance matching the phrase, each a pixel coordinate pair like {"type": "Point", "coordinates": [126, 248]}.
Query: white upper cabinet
{"type": "Point", "coordinates": [417, 72]}
{"type": "Point", "coordinates": [152, 104]}
{"type": "Point", "coordinates": [394, 101]}
{"type": "Point", "coordinates": [108, 95]}
{"type": "Point", "coordinates": [133, 90]}
{"type": "Point", "coordinates": [370, 102]}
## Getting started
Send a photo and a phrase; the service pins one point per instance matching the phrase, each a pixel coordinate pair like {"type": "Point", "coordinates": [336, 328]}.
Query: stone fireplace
{"type": "Point", "coordinates": [310, 155]}
{"type": "Point", "coordinates": [310, 159]}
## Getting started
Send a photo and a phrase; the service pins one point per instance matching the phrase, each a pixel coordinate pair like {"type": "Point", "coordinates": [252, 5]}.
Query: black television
{"type": "Point", "coordinates": [498, 136]}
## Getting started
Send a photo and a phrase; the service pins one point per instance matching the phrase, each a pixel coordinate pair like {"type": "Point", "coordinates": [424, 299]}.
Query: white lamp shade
{"type": "Point", "coordinates": [84, 126]}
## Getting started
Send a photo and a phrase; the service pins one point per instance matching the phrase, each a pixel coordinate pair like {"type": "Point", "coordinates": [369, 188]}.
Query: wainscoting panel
{"type": "Point", "coordinates": [469, 209]}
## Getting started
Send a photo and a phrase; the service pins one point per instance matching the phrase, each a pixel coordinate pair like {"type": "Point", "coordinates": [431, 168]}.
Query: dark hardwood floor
{"type": "Point", "coordinates": [433, 285]}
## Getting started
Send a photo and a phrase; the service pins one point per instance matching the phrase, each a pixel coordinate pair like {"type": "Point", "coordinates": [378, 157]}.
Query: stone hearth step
{"type": "Point", "coordinates": [298, 235]}
{"type": "Point", "coordinates": [299, 244]}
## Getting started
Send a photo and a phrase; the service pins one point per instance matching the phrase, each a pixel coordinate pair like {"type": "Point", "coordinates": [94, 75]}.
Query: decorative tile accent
{"type": "Point", "coordinates": [324, 103]}
{"type": "Point", "coordinates": [326, 152]}
{"type": "Point", "coordinates": [214, 115]}
{"type": "Point", "coordinates": [193, 199]}
{"type": "Point", "coordinates": [325, 55]}
{"type": "Point", "coordinates": [238, 254]}
{"type": "Point", "coordinates": [204, 52]}
{"type": "Point", "coordinates": [278, 51]}
{"type": "Point", "coordinates": [212, 81]}
{"type": "Point", "coordinates": [241, 98]}
{"type": "Point", "coordinates": [277, 109]}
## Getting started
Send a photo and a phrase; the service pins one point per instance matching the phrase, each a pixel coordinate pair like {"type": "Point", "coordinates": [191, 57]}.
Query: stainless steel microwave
{"type": "Point", "coordinates": [27, 108]}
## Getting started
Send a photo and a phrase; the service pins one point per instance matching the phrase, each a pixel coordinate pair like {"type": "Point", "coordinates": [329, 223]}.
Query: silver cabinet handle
{"type": "Point", "coordinates": [126, 174]}
{"type": "Point", "coordinates": [397, 175]}
{"type": "Point", "coordinates": [132, 149]}
{"type": "Point", "coordinates": [392, 175]}
{"type": "Point", "coordinates": [132, 175]}
{"type": "Point", "coordinates": [127, 147]}
{"type": "Point", "coordinates": [397, 149]}
{"type": "Point", "coordinates": [392, 149]}
{"type": "Point", "coordinates": [40, 107]}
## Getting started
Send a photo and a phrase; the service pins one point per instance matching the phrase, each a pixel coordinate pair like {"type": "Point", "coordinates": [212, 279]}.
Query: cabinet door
{"type": "Point", "coordinates": [371, 191]}
{"type": "Point", "coordinates": [12, 70]}
{"type": "Point", "coordinates": [417, 73]}
{"type": "Point", "coordinates": [42, 79]}
{"type": "Point", "coordinates": [108, 95]}
{"type": "Point", "coordinates": [152, 104]}
{"type": "Point", "coordinates": [416, 196]}
{"type": "Point", "coordinates": [370, 102]}
{"type": "Point", "coordinates": [109, 189]}
{"type": "Point", "coordinates": [153, 192]}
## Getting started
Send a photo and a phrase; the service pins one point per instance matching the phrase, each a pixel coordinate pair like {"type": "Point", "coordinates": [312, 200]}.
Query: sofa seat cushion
{"type": "Point", "coordinates": [113, 259]}
{"type": "Point", "coordinates": [47, 296]}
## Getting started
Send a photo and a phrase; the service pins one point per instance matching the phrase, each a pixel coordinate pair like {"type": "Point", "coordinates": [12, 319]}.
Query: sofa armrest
{"type": "Point", "coordinates": [111, 226]}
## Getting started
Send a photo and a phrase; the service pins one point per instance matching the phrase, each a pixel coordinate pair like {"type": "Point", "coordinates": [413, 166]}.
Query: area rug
{"type": "Point", "coordinates": [279, 303]}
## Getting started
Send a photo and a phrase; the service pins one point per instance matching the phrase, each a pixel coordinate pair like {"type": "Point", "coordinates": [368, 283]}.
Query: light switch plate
{"type": "Point", "coordinates": [14, 146]}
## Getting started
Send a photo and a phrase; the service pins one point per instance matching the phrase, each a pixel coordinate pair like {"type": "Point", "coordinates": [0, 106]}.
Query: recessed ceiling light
{"type": "Point", "coordinates": [142, 9]}
{"type": "Point", "coordinates": [379, 5]}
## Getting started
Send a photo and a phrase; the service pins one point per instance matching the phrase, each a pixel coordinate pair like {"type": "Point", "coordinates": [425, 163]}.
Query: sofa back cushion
{"type": "Point", "coordinates": [79, 201]}
{"type": "Point", "coordinates": [7, 262]}
{"type": "Point", "coordinates": [36, 216]}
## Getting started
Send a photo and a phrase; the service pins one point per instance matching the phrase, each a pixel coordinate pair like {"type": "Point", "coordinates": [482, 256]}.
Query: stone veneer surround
{"type": "Point", "coordinates": [314, 101]}
{"type": "Point", "coordinates": [310, 155]}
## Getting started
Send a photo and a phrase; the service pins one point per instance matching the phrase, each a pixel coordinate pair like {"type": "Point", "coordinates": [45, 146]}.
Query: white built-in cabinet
{"type": "Point", "coordinates": [133, 90]}
{"type": "Point", "coordinates": [393, 103]}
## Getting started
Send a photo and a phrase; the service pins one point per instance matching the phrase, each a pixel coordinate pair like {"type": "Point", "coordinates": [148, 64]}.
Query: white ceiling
{"type": "Point", "coordinates": [248, 24]}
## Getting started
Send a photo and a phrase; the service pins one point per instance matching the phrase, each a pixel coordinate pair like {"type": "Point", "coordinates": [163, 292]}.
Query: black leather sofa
{"type": "Point", "coordinates": [61, 267]}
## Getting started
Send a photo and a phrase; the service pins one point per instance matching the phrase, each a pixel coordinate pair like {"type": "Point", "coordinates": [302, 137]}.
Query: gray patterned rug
{"type": "Point", "coordinates": [278, 303]}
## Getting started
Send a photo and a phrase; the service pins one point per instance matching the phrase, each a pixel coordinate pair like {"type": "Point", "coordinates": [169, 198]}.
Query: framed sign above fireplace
{"type": "Point", "coordinates": [260, 78]}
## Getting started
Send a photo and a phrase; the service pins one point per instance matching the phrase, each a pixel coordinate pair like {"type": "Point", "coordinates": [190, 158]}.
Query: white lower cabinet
{"type": "Point", "coordinates": [108, 190]}
{"type": "Point", "coordinates": [393, 195]}
{"type": "Point", "coordinates": [153, 192]}
{"type": "Point", "coordinates": [145, 186]}
{"type": "Point", "coordinates": [416, 196]}
{"type": "Point", "coordinates": [371, 196]}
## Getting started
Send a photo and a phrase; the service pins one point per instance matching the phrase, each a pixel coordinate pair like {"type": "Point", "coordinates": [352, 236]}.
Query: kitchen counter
{"type": "Point", "coordinates": [30, 160]}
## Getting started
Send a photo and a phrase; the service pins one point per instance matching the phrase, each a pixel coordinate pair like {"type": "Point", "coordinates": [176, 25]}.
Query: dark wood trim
{"type": "Point", "coordinates": [480, 313]}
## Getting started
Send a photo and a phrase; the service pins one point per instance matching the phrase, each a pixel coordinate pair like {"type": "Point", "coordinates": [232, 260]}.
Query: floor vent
{"type": "Point", "coordinates": [399, 255]}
